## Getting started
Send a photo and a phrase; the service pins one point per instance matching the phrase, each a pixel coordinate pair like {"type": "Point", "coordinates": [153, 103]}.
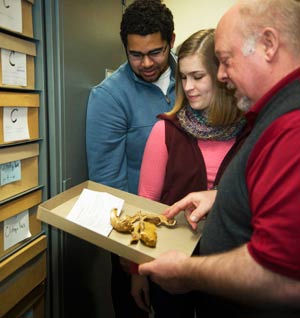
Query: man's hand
{"type": "Point", "coordinates": [195, 205]}
{"type": "Point", "coordinates": [168, 271]}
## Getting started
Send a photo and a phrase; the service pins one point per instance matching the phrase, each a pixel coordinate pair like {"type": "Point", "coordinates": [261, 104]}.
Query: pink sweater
{"type": "Point", "coordinates": [155, 159]}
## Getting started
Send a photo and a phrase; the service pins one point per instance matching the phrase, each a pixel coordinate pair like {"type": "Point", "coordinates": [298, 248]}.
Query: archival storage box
{"type": "Point", "coordinates": [21, 273]}
{"type": "Point", "coordinates": [13, 210]}
{"type": "Point", "coordinates": [18, 21]}
{"type": "Point", "coordinates": [13, 101]}
{"type": "Point", "coordinates": [182, 238]}
{"type": "Point", "coordinates": [15, 47]}
{"type": "Point", "coordinates": [19, 169]}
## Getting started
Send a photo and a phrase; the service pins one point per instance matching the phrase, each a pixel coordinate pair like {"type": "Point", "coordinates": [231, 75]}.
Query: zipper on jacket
{"type": "Point", "coordinates": [167, 99]}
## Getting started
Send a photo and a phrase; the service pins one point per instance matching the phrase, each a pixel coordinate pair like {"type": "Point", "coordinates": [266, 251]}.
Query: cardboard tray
{"type": "Point", "coordinates": [182, 237]}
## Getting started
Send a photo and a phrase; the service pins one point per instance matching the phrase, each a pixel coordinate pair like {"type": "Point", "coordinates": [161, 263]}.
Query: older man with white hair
{"type": "Point", "coordinates": [250, 245]}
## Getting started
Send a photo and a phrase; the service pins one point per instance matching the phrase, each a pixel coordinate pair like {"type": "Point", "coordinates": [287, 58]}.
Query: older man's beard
{"type": "Point", "coordinates": [244, 103]}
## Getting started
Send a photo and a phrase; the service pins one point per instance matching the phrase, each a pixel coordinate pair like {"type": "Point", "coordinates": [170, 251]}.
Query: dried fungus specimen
{"type": "Point", "coordinates": [145, 227]}
{"type": "Point", "coordinates": [158, 219]}
{"type": "Point", "coordinates": [120, 224]}
{"type": "Point", "coordinates": [148, 233]}
{"type": "Point", "coordinates": [135, 234]}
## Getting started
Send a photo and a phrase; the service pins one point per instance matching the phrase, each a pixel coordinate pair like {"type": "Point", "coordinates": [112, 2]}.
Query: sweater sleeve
{"type": "Point", "coordinates": [106, 126]}
{"type": "Point", "coordinates": [154, 163]}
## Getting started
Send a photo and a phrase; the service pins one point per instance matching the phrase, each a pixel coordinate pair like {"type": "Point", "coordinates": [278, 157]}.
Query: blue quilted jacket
{"type": "Point", "coordinates": [121, 111]}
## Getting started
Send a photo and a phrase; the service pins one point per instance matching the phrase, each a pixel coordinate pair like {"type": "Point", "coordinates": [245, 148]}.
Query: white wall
{"type": "Point", "coordinates": [193, 15]}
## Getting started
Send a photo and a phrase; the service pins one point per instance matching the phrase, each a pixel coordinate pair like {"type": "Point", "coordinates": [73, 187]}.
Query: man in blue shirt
{"type": "Point", "coordinates": [122, 110]}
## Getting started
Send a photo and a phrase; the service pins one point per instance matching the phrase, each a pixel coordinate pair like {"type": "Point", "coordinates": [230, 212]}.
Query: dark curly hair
{"type": "Point", "coordinates": [145, 17]}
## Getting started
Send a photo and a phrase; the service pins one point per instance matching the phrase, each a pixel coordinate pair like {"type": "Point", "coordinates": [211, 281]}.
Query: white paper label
{"type": "Point", "coordinates": [15, 124]}
{"type": "Point", "coordinates": [13, 68]}
{"type": "Point", "coordinates": [92, 210]}
{"type": "Point", "coordinates": [16, 229]}
{"type": "Point", "coordinates": [11, 15]}
{"type": "Point", "coordinates": [10, 172]}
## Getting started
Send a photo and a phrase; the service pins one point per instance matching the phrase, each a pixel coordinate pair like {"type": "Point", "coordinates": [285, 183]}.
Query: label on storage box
{"type": "Point", "coordinates": [15, 123]}
{"type": "Point", "coordinates": [13, 68]}
{"type": "Point", "coordinates": [11, 15]}
{"type": "Point", "coordinates": [16, 229]}
{"type": "Point", "coordinates": [10, 172]}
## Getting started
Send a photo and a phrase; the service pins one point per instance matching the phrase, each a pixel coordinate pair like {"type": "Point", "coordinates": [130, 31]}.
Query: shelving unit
{"type": "Point", "coordinates": [23, 243]}
{"type": "Point", "coordinates": [66, 63]}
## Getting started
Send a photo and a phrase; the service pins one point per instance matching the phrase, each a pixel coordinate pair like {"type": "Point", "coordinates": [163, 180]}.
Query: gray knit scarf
{"type": "Point", "coordinates": [195, 123]}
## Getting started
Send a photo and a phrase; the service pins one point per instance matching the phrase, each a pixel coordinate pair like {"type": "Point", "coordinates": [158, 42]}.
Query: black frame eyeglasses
{"type": "Point", "coordinates": [153, 54]}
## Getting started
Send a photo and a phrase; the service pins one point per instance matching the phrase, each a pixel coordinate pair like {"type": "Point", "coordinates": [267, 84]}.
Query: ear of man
{"type": "Point", "coordinates": [270, 40]}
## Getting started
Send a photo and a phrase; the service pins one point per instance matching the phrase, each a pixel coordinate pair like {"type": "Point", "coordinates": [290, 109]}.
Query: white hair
{"type": "Point", "coordinates": [249, 45]}
{"type": "Point", "coordinates": [282, 15]}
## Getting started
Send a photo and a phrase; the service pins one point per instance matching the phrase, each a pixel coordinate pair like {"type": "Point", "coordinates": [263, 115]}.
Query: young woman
{"type": "Point", "coordinates": [187, 150]}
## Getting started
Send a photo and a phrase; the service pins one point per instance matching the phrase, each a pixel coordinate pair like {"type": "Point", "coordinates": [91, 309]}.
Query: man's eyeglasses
{"type": "Point", "coordinates": [153, 55]}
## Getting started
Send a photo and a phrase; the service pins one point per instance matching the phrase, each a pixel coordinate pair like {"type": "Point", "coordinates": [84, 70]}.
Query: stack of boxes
{"type": "Point", "coordinates": [22, 242]}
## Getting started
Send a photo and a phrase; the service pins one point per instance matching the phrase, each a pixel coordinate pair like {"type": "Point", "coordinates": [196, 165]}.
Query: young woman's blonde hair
{"type": "Point", "coordinates": [223, 109]}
